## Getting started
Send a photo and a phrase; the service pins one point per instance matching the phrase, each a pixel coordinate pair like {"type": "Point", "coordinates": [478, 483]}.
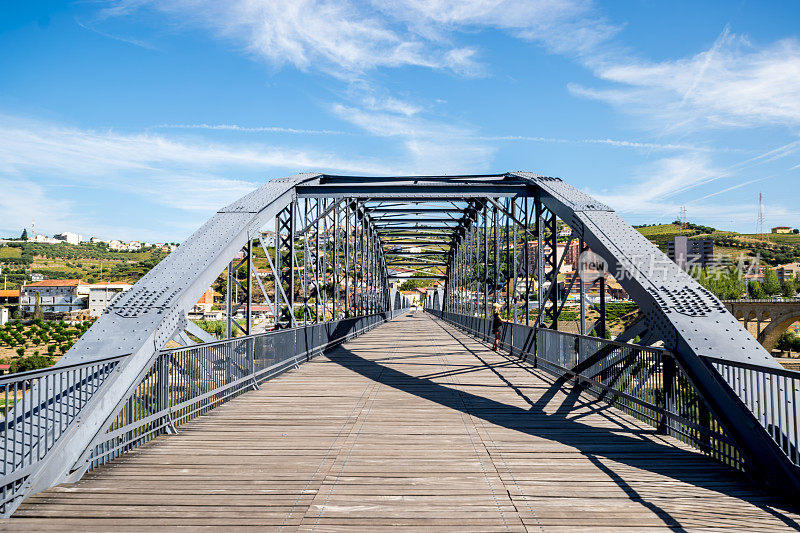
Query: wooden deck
{"type": "Point", "coordinates": [416, 425]}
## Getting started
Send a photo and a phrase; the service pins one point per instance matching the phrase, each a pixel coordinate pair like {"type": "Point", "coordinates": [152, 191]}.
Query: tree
{"type": "Point", "coordinates": [24, 236]}
{"type": "Point", "coordinates": [411, 284]}
{"type": "Point", "coordinates": [21, 351]}
{"type": "Point", "coordinates": [788, 342]}
{"type": "Point", "coordinates": [725, 284]}
{"type": "Point", "coordinates": [756, 291]}
{"type": "Point", "coordinates": [37, 309]}
{"type": "Point", "coordinates": [789, 289]}
{"type": "Point", "coordinates": [33, 362]}
{"type": "Point", "coordinates": [771, 284]}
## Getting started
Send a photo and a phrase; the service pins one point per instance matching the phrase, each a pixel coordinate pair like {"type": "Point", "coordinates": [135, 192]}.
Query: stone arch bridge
{"type": "Point", "coordinates": [765, 319]}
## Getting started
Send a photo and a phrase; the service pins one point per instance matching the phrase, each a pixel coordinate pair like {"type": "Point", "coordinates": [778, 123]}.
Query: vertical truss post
{"type": "Point", "coordinates": [602, 321]}
{"type": "Point", "coordinates": [292, 257]}
{"type": "Point", "coordinates": [463, 275]}
{"type": "Point", "coordinates": [539, 262]}
{"type": "Point", "coordinates": [347, 258]}
{"type": "Point", "coordinates": [317, 284]}
{"type": "Point", "coordinates": [336, 259]}
{"type": "Point", "coordinates": [373, 270]}
{"type": "Point", "coordinates": [514, 256]}
{"type": "Point", "coordinates": [553, 260]}
{"type": "Point", "coordinates": [229, 301]}
{"type": "Point", "coordinates": [476, 246]}
{"type": "Point", "coordinates": [485, 262]}
{"type": "Point", "coordinates": [306, 265]}
{"type": "Point", "coordinates": [582, 288]}
{"type": "Point", "coordinates": [362, 264]}
{"type": "Point", "coordinates": [284, 264]}
{"type": "Point", "coordinates": [527, 259]}
{"type": "Point", "coordinates": [250, 274]}
{"type": "Point", "coordinates": [460, 278]}
{"type": "Point", "coordinates": [508, 262]}
{"type": "Point", "coordinates": [496, 269]}
{"type": "Point", "coordinates": [547, 252]}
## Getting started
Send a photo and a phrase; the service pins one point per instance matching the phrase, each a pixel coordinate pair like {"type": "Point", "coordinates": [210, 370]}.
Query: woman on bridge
{"type": "Point", "coordinates": [497, 321]}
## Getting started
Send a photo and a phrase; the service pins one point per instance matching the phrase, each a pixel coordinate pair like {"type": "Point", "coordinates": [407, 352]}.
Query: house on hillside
{"type": "Point", "coordinates": [787, 271]}
{"type": "Point", "coordinates": [68, 237]}
{"type": "Point", "coordinates": [9, 296]}
{"type": "Point", "coordinates": [206, 301]}
{"type": "Point", "coordinates": [54, 295]}
{"type": "Point", "coordinates": [781, 229]}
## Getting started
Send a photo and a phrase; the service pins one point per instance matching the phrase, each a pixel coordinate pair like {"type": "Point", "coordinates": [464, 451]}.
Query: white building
{"type": "Point", "coordinates": [116, 246]}
{"type": "Point", "coordinates": [44, 239]}
{"type": "Point", "coordinates": [102, 294]}
{"type": "Point", "coordinates": [54, 295]}
{"type": "Point", "coordinates": [68, 237]}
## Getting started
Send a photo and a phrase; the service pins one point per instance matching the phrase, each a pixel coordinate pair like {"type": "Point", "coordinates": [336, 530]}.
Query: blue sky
{"type": "Point", "coordinates": [135, 119]}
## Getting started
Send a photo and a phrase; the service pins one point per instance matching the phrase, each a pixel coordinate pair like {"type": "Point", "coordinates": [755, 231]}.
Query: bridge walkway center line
{"type": "Point", "coordinates": [414, 424]}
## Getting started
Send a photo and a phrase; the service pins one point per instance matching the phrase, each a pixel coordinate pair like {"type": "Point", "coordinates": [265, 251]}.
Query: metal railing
{"type": "Point", "coordinates": [185, 383]}
{"type": "Point", "coordinates": [771, 394]}
{"type": "Point", "coordinates": [38, 407]}
{"type": "Point", "coordinates": [181, 384]}
{"type": "Point", "coordinates": [646, 383]}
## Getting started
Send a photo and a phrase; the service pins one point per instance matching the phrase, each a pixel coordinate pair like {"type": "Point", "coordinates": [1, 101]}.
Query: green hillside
{"type": "Point", "coordinates": [87, 261]}
{"type": "Point", "coordinates": [773, 249]}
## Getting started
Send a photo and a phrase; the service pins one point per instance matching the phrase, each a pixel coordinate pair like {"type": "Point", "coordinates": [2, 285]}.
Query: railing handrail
{"type": "Point", "coordinates": [782, 300]}
{"type": "Point", "coordinates": [55, 369]}
{"type": "Point", "coordinates": [794, 374]}
{"type": "Point", "coordinates": [256, 335]}
{"type": "Point", "coordinates": [621, 344]}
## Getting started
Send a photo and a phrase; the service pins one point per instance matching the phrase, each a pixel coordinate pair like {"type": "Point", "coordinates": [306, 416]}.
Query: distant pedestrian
{"type": "Point", "coordinates": [497, 322]}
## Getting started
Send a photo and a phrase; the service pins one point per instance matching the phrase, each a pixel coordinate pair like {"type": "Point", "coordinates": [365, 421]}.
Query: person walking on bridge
{"type": "Point", "coordinates": [497, 322]}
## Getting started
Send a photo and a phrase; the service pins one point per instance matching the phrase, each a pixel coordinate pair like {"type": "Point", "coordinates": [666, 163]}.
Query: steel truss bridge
{"type": "Point", "coordinates": [321, 252]}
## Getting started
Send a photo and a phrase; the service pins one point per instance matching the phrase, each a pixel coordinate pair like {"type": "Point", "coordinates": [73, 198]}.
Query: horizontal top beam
{"type": "Point", "coordinates": [416, 220]}
{"type": "Point", "coordinates": [411, 210]}
{"type": "Point", "coordinates": [410, 190]}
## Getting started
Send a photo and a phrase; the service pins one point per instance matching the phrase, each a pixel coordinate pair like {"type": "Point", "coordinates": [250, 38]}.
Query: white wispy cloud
{"type": "Point", "coordinates": [29, 145]}
{"type": "Point", "coordinates": [247, 129]}
{"type": "Point", "coordinates": [618, 143]}
{"type": "Point", "coordinates": [40, 160]}
{"type": "Point", "coordinates": [734, 83]}
{"type": "Point", "coordinates": [658, 189]}
{"type": "Point", "coordinates": [347, 38]}
{"type": "Point", "coordinates": [135, 42]}
{"type": "Point", "coordinates": [565, 26]}
{"type": "Point", "coordinates": [433, 146]}
{"type": "Point", "coordinates": [342, 38]}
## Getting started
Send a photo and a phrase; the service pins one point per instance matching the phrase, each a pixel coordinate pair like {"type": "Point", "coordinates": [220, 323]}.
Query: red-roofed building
{"type": "Point", "coordinates": [206, 301]}
{"type": "Point", "coordinates": [54, 296]}
{"type": "Point", "coordinates": [10, 296]}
